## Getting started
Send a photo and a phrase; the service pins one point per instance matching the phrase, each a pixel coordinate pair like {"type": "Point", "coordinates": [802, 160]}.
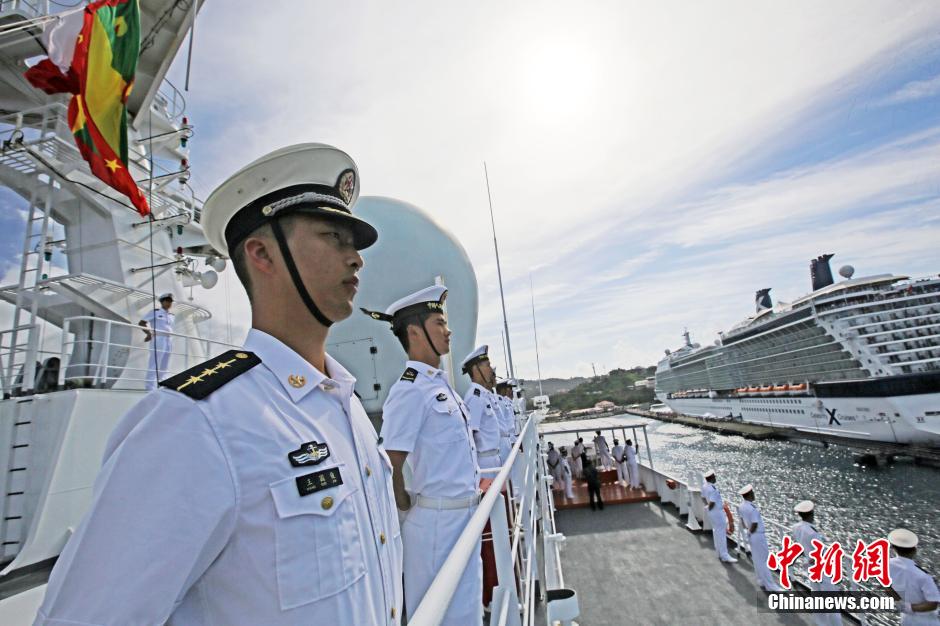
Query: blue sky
{"type": "Point", "coordinates": [652, 166]}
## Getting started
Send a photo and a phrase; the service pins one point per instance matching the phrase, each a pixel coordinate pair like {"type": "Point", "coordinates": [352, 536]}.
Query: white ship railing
{"type": "Point", "coordinates": [514, 546]}
{"type": "Point", "coordinates": [188, 351]}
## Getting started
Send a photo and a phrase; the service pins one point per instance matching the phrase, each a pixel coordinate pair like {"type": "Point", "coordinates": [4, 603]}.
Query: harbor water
{"type": "Point", "coordinates": [853, 501]}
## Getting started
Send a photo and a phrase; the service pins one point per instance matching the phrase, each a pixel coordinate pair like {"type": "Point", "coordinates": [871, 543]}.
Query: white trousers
{"type": "Point", "coordinates": [576, 467]}
{"type": "Point", "coordinates": [719, 532]}
{"type": "Point", "coordinates": [505, 447]}
{"type": "Point", "coordinates": [759, 553]}
{"type": "Point", "coordinates": [158, 358]}
{"type": "Point", "coordinates": [634, 474]}
{"type": "Point", "coordinates": [428, 536]}
{"type": "Point", "coordinates": [622, 474]}
{"type": "Point", "coordinates": [828, 619]}
{"type": "Point", "coordinates": [606, 461]}
{"type": "Point", "coordinates": [569, 492]}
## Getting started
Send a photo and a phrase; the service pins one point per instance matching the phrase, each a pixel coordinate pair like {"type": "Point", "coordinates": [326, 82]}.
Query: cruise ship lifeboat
{"type": "Point", "coordinates": [741, 390]}
{"type": "Point", "coordinates": [766, 389]}
{"type": "Point", "coordinates": [753, 389]}
{"type": "Point", "coordinates": [781, 389]}
{"type": "Point", "coordinates": [799, 388]}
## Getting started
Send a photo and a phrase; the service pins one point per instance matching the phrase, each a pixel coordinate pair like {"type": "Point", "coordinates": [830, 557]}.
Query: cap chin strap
{"type": "Point", "coordinates": [295, 275]}
{"type": "Point", "coordinates": [424, 327]}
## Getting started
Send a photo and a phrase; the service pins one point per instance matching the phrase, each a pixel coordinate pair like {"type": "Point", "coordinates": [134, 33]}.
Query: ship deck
{"type": "Point", "coordinates": [638, 564]}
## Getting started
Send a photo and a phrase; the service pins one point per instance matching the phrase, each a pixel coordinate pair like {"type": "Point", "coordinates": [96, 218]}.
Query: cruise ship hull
{"type": "Point", "coordinates": [905, 419]}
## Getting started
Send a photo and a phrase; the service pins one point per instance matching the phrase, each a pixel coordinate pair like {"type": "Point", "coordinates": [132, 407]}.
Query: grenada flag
{"type": "Point", "coordinates": [100, 74]}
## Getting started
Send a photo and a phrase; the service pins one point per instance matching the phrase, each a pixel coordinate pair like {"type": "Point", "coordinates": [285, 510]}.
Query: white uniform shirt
{"type": "Point", "coordinates": [197, 516]}
{"type": "Point", "coordinates": [160, 320]}
{"type": "Point", "coordinates": [600, 444]}
{"type": "Point", "coordinates": [803, 533]}
{"type": "Point", "coordinates": [426, 418]}
{"type": "Point", "coordinates": [711, 494]}
{"type": "Point", "coordinates": [483, 419]}
{"type": "Point", "coordinates": [631, 454]}
{"type": "Point", "coordinates": [617, 453]}
{"type": "Point", "coordinates": [751, 516]}
{"type": "Point", "coordinates": [913, 584]}
{"type": "Point", "coordinates": [507, 419]}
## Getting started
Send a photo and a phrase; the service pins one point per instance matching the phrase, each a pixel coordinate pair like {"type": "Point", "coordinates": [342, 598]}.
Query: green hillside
{"type": "Point", "coordinates": [615, 386]}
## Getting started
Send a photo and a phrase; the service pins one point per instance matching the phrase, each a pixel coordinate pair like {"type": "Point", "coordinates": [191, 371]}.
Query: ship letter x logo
{"type": "Point", "coordinates": [832, 417]}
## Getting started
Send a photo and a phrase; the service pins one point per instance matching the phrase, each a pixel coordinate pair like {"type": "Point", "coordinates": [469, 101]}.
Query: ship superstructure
{"type": "Point", "coordinates": [857, 358]}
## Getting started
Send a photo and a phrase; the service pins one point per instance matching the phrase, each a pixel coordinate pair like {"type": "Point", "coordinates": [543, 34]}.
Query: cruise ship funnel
{"type": "Point", "coordinates": [820, 272]}
{"type": "Point", "coordinates": [762, 299]}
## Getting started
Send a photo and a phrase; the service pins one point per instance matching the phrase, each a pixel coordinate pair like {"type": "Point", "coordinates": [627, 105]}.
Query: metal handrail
{"type": "Point", "coordinates": [434, 605]}
{"type": "Point", "coordinates": [99, 368]}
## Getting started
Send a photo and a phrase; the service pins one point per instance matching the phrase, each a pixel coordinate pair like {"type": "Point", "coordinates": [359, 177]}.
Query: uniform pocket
{"type": "Point", "coordinates": [319, 552]}
{"type": "Point", "coordinates": [446, 423]}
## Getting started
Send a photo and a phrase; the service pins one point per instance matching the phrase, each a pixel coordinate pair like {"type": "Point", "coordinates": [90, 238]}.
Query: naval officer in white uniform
{"type": "Point", "coordinates": [714, 508]}
{"type": "Point", "coordinates": [803, 532]}
{"type": "Point", "coordinates": [425, 425]}
{"type": "Point", "coordinates": [507, 419]}
{"type": "Point", "coordinates": [757, 539]}
{"type": "Point", "coordinates": [620, 462]}
{"type": "Point", "coordinates": [602, 449]}
{"type": "Point", "coordinates": [916, 589]}
{"type": "Point", "coordinates": [157, 325]}
{"type": "Point", "coordinates": [481, 401]}
{"type": "Point", "coordinates": [630, 452]}
{"type": "Point", "coordinates": [251, 489]}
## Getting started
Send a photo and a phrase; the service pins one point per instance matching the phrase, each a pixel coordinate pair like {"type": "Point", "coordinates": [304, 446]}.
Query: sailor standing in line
{"type": "Point", "coordinates": [506, 419]}
{"type": "Point", "coordinates": [576, 451]}
{"type": "Point", "coordinates": [251, 489]}
{"type": "Point", "coordinates": [601, 449]}
{"type": "Point", "coordinates": [757, 539]}
{"type": "Point", "coordinates": [553, 459]}
{"type": "Point", "coordinates": [425, 425]}
{"type": "Point", "coordinates": [803, 532]}
{"type": "Point", "coordinates": [484, 421]}
{"type": "Point", "coordinates": [916, 589]}
{"type": "Point", "coordinates": [620, 461]}
{"type": "Point", "coordinates": [631, 452]}
{"type": "Point", "coordinates": [716, 514]}
{"type": "Point", "coordinates": [566, 474]}
{"type": "Point", "coordinates": [157, 325]}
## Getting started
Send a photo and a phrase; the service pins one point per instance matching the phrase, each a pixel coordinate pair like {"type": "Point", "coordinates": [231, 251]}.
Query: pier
{"type": "Point", "coordinates": [741, 429]}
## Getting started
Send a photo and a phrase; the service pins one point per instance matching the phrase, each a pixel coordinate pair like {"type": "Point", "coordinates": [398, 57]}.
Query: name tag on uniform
{"type": "Point", "coordinates": [441, 397]}
{"type": "Point", "coordinates": [310, 453]}
{"type": "Point", "coordinates": [317, 481]}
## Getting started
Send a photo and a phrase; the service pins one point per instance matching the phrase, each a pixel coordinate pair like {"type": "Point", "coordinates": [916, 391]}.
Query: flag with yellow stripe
{"type": "Point", "coordinates": [100, 78]}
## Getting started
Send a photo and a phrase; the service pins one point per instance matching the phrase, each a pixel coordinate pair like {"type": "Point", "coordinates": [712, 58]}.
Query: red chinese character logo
{"type": "Point", "coordinates": [828, 562]}
{"type": "Point", "coordinates": [871, 561]}
{"type": "Point", "coordinates": [784, 559]}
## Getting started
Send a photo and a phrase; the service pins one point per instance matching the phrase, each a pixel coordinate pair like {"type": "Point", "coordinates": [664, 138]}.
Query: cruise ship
{"type": "Point", "coordinates": [858, 358]}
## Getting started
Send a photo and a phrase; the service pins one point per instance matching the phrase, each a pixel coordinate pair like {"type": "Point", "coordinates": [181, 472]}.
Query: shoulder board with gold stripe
{"type": "Point", "coordinates": [198, 382]}
{"type": "Point", "coordinates": [410, 374]}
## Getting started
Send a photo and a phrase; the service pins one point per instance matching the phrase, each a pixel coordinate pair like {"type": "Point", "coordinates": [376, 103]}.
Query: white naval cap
{"type": "Point", "coordinates": [709, 473]}
{"type": "Point", "coordinates": [165, 296]}
{"type": "Point", "coordinates": [477, 356]}
{"type": "Point", "coordinates": [311, 177]}
{"type": "Point", "coordinates": [430, 299]}
{"type": "Point", "coordinates": [902, 538]}
{"type": "Point", "coordinates": [746, 489]}
{"type": "Point", "coordinates": [806, 506]}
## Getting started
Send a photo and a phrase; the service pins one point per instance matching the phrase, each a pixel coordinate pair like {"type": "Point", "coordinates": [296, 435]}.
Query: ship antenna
{"type": "Point", "coordinates": [499, 272]}
{"type": "Point", "coordinates": [688, 340]}
{"type": "Point", "coordinates": [538, 366]}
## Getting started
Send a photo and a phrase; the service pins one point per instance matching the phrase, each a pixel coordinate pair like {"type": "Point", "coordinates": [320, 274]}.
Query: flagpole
{"type": "Point", "coordinates": [499, 272]}
{"type": "Point", "coordinates": [538, 366]}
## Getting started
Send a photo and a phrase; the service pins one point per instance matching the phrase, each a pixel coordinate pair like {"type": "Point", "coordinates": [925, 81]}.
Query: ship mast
{"type": "Point", "coordinates": [499, 273]}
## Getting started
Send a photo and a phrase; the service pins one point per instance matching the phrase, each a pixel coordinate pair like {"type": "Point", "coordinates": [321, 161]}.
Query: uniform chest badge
{"type": "Point", "coordinates": [441, 397]}
{"type": "Point", "coordinates": [310, 453]}
{"type": "Point", "coordinates": [476, 392]}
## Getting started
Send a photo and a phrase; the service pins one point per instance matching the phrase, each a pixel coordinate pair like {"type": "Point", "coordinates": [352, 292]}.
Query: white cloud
{"type": "Point", "coordinates": [914, 90]}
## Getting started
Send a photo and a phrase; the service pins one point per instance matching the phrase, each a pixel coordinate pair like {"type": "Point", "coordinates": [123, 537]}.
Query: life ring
{"type": "Point", "coordinates": [730, 528]}
{"type": "Point", "coordinates": [671, 483]}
